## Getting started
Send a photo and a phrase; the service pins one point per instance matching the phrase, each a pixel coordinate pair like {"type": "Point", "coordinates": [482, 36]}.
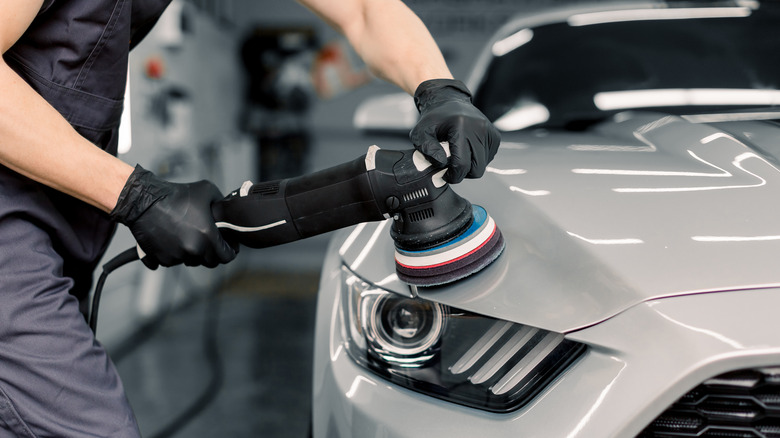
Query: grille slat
{"type": "Point", "coordinates": [522, 369]}
{"type": "Point", "coordinates": [739, 404]}
{"type": "Point", "coordinates": [481, 347]}
{"type": "Point", "coordinates": [507, 351]}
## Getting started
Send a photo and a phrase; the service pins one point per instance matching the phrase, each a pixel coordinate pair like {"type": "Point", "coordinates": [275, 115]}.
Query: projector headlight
{"type": "Point", "coordinates": [447, 353]}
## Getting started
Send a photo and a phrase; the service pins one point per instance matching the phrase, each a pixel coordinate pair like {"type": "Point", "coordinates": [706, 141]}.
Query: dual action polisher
{"type": "Point", "coordinates": [439, 236]}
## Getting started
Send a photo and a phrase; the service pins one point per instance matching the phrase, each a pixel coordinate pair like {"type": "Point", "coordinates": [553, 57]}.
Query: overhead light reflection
{"type": "Point", "coordinates": [505, 171]}
{"type": "Point", "coordinates": [370, 245]}
{"type": "Point", "coordinates": [732, 117]}
{"type": "Point", "coordinates": [737, 163]}
{"type": "Point", "coordinates": [351, 239]}
{"type": "Point", "coordinates": [620, 100]}
{"type": "Point", "coordinates": [626, 241]}
{"type": "Point", "coordinates": [356, 383]}
{"type": "Point", "coordinates": [522, 116]}
{"type": "Point", "coordinates": [717, 135]}
{"type": "Point", "coordinates": [608, 148]}
{"type": "Point", "coordinates": [587, 417]}
{"type": "Point", "coordinates": [512, 42]}
{"type": "Point", "coordinates": [657, 14]}
{"type": "Point", "coordinates": [513, 145]}
{"type": "Point", "coordinates": [530, 192]}
{"type": "Point", "coordinates": [723, 173]}
{"type": "Point", "coordinates": [711, 333]}
{"type": "Point", "coordinates": [735, 238]}
{"type": "Point", "coordinates": [392, 278]}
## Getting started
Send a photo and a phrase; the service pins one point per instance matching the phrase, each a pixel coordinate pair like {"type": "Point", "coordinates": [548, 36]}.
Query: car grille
{"type": "Point", "coordinates": [739, 404]}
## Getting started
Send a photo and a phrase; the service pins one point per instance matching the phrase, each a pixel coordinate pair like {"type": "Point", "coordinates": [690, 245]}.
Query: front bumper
{"type": "Point", "coordinates": [637, 364]}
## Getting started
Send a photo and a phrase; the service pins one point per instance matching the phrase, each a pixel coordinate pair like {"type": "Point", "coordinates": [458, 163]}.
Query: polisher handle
{"type": "Point", "coordinates": [276, 212]}
{"type": "Point", "coordinates": [375, 186]}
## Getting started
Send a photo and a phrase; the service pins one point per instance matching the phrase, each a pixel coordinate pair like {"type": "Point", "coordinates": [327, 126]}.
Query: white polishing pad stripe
{"type": "Point", "coordinates": [448, 256]}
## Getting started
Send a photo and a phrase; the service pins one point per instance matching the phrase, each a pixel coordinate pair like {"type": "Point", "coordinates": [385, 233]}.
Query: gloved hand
{"type": "Point", "coordinates": [171, 222]}
{"type": "Point", "coordinates": [447, 114]}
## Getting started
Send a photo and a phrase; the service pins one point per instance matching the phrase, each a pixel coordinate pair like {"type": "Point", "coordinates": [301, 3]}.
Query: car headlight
{"type": "Point", "coordinates": [448, 353]}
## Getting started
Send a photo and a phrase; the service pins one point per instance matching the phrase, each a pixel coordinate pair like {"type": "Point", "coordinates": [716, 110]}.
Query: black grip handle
{"type": "Point", "coordinates": [376, 186]}
{"type": "Point", "coordinates": [282, 211]}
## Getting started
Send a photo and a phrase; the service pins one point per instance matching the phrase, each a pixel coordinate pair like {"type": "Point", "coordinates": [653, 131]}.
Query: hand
{"type": "Point", "coordinates": [172, 223]}
{"type": "Point", "coordinates": [447, 114]}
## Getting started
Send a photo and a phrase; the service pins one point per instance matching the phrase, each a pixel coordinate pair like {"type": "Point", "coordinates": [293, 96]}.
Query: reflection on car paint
{"type": "Point", "coordinates": [512, 42]}
{"type": "Point", "coordinates": [658, 14]}
{"type": "Point", "coordinates": [529, 192]}
{"type": "Point", "coordinates": [609, 148]}
{"type": "Point", "coordinates": [737, 163]}
{"type": "Point", "coordinates": [379, 231]}
{"type": "Point", "coordinates": [625, 241]}
{"type": "Point", "coordinates": [351, 238]}
{"type": "Point", "coordinates": [355, 383]}
{"type": "Point", "coordinates": [719, 336]}
{"type": "Point", "coordinates": [603, 395]}
{"type": "Point", "coordinates": [505, 171]}
{"type": "Point", "coordinates": [513, 145]}
{"type": "Point", "coordinates": [523, 115]}
{"type": "Point", "coordinates": [618, 100]}
{"type": "Point", "coordinates": [734, 238]}
{"type": "Point", "coordinates": [723, 173]}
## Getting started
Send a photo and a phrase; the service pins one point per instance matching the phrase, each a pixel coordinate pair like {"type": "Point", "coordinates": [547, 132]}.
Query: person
{"type": "Point", "coordinates": [62, 79]}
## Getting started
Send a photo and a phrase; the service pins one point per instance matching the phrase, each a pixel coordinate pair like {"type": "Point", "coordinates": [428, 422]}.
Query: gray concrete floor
{"type": "Point", "coordinates": [263, 323]}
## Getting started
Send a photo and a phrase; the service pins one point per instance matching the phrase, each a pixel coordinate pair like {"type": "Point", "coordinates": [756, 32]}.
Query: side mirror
{"type": "Point", "coordinates": [390, 113]}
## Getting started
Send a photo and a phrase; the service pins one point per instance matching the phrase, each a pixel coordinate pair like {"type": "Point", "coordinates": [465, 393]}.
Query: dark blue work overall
{"type": "Point", "coordinates": [55, 380]}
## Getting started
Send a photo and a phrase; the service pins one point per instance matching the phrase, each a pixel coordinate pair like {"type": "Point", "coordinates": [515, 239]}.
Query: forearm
{"type": "Point", "coordinates": [36, 141]}
{"type": "Point", "coordinates": [389, 37]}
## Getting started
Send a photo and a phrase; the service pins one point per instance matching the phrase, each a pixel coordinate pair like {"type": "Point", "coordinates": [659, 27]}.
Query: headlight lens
{"type": "Point", "coordinates": [447, 353]}
{"type": "Point", "coordinates": [402, 328]}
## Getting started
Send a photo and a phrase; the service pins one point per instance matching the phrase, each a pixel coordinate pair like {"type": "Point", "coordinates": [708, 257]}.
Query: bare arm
{"type": "Point", "coordinates": [388, 36]}
{"type": "Point", "coordinates": [36, 141]}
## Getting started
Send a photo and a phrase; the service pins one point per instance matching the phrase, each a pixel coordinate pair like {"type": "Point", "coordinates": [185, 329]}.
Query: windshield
{"type": "Point", "coordinates": [595, 65]}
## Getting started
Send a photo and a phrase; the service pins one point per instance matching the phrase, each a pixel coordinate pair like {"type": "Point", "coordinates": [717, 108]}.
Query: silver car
{"type": "Point", "coordinates": [638, 190]}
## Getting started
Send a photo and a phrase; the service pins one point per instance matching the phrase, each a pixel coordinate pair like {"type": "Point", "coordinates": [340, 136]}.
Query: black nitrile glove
{"type": "Point", "coordinates": [171, 222]}
{"type": "Point", "coordinates": [447, 114]}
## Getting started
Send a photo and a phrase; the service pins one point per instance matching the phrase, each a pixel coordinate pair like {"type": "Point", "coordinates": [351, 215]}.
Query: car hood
{"type": "Point", "coordinates": [640, 207]}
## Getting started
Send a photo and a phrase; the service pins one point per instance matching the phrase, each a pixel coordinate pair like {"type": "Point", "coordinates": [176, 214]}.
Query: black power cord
{"type": "Point", "coordinates": [125, 257]}
{"type": "Point", "coordinates": [210, 157]}
{"type": "Point", "coordinates": [210, 343]}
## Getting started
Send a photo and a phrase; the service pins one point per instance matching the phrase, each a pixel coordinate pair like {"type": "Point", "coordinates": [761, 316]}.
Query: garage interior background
{"type": "Point", "coordinates": [187, 116]}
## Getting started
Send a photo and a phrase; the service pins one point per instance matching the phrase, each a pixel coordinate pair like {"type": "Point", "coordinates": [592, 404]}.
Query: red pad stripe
{"type": "Point", "coordinates": [453, 260]}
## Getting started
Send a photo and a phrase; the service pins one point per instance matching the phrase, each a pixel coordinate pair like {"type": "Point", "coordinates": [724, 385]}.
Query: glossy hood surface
{"type": "Point", "coordinates": [639, 207]}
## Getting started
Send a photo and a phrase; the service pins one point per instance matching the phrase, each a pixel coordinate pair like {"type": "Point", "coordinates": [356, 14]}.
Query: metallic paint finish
{"type": "Point", "coordinates": [678, 208]}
